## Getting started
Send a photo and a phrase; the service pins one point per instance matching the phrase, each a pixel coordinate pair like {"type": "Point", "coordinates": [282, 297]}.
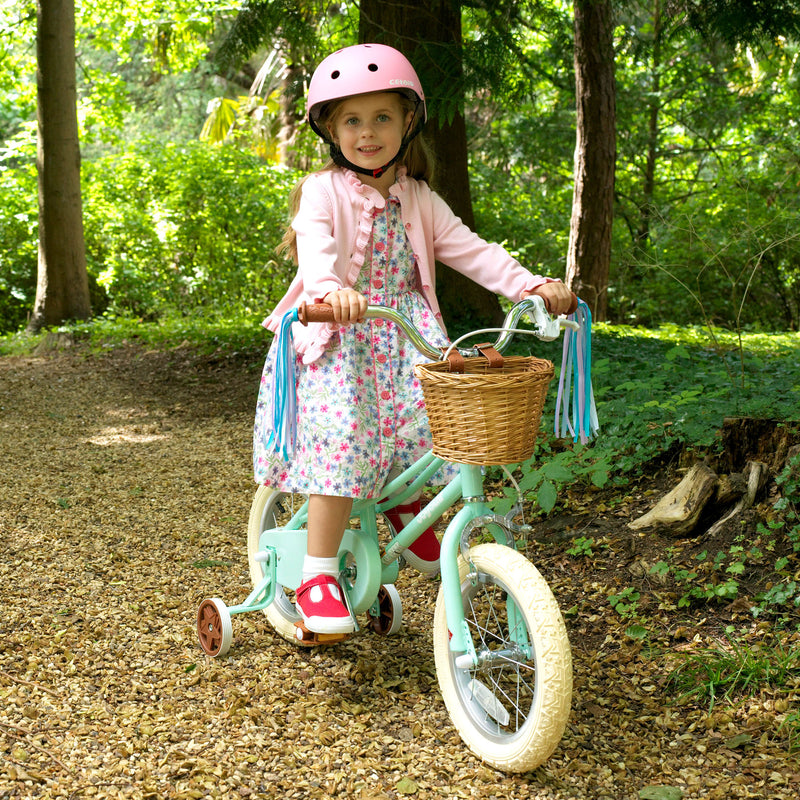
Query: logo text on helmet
{"type": "Point", "coordinates": [399, 82]}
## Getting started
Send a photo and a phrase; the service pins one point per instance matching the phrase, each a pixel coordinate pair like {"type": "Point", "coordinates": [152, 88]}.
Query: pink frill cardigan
{"type": "Point", "coordinates": [333, 226]}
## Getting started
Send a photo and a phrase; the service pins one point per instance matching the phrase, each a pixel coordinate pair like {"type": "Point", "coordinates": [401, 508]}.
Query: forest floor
{"type": "Point", "coordinates": [124, 501]}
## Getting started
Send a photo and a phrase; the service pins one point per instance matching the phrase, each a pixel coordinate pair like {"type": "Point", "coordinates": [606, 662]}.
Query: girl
{"type": "Point", "coordinates": [366, 229]}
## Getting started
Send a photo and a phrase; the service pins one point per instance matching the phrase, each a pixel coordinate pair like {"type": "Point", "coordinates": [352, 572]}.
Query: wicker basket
{"type": "Point", "coordinates": [487, 415]}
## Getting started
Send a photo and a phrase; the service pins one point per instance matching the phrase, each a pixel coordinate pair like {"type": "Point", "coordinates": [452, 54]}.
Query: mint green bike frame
{"type": "Point", "coordinates": [286, 546]}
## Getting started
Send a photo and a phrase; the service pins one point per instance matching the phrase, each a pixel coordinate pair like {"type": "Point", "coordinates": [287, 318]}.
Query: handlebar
{"type": "Point", "coordinates": [547, 327]}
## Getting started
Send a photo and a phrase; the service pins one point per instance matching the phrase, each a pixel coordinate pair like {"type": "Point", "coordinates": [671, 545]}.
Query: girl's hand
{"type": "Point", "coordinates": [348, 305]}
{"type": "Point", "coordinates": [557, 297]}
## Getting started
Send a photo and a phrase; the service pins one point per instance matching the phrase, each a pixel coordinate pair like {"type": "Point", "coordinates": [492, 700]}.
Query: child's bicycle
{"type": "Point", "coordinates": [501, 650]}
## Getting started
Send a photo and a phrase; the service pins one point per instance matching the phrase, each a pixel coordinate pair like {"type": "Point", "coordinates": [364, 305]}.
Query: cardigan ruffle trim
{"type": "Point", "coordinates": [373, 200]}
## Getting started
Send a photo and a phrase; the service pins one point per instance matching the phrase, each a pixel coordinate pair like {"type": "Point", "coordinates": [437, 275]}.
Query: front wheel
{"type": "Point", "coordinates": [511, 709]}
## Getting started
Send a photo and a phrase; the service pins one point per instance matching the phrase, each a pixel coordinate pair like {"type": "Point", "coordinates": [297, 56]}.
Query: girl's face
{"type": "Point", "coordinates": [369, 129]}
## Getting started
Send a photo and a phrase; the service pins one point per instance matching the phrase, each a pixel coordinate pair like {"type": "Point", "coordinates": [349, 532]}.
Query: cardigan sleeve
{"type": "Point", "coordinates": [488, 264]}
{"type": "Point", "coordinates": [316, 245]}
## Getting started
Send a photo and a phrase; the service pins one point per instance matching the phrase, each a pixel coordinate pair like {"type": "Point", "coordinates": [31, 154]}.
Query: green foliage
{"type": "Point", "coordinates": [184, 227]}
{"type": "Point", "coordinates": [262, 21]}
{"type": "Point", "coordinates": [19, 223]}
{"type": "Point", "coordinates": [239, 337]}
{"type": "Point", "coordinates": [706, 180]}
{"type": "Point", "coordinates": [658, 392]}
{"type": "Point", "coordinates": [791, 724]}
{"type": "Point", "coordinates": [782, 598]}
{"type": "Point", "coordinates": [681, 383]}
{"type": "Point", "coordinates": [582, 547]}
{"type": "Point", "coordinates": [17, 91]}
{"type": "Point", "coordinates": [546, 470]}
{"type": "Point", "coordinates": [742, 21]}
{"type": "Point", "coordinates": [719, 575]}
{"type": "Point", "coordinates": [513, 209]}
{"type": "Point", "coordinates": [737, 670]}
{"type": "Point", "coordinates": [169, 229]}
{"type": "Point", "coordinates": [625, 602]}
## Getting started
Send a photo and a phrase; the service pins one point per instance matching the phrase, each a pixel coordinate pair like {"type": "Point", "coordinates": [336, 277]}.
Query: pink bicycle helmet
{"type": "Point", "coordinates": [363, 69]}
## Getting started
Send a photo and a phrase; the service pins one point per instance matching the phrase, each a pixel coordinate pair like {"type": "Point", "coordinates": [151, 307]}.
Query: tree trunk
{"type": "Point", "coordinates": [589, 253]}
{"type": "Point", "coordinates": [62, 291]}
{"type": "Point", "coordinates": [428, 33]}
{"type": "Point", "coordinates": [290, 119]}
{"type": "Point", "coordinates": [654, 101]}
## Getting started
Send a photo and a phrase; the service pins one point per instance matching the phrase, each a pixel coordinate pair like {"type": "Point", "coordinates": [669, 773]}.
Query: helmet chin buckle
{"type": "Point", "coordinates": [339, 159]}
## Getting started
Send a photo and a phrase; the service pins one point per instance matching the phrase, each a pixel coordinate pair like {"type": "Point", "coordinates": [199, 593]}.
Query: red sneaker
{"type": "Point", "coordinates": [320, 602]}
{"type": "Point", "coordinates": [423, 552]}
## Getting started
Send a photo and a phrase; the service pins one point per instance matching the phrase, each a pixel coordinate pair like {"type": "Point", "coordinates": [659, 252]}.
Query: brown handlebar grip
{"type": "Point", "coordinates": [316, 312]}
{"type": "Point", "coordinates": [573, 305]}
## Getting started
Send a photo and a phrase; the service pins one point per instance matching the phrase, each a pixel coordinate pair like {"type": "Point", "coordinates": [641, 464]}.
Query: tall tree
{"type": "Point", "coordinates": [428, 32]}
{"type": "Point", "coordinates": [589, 253]}
{"type": "Point", "coordinates": [62, 290]}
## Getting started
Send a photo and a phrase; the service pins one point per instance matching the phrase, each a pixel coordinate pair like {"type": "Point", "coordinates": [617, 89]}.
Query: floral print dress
{"type": "Point", "coordinates": [360, 406]}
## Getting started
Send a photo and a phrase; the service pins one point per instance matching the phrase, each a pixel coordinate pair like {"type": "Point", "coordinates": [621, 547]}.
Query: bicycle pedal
{"type": "Point", "coordinates": [312, 638]}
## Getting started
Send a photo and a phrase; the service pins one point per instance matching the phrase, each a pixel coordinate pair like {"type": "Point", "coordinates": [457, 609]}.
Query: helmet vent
{"type": "Point", "coordinates": [373, 67]}
{"type": "Point", "coordinates": [335, 74]}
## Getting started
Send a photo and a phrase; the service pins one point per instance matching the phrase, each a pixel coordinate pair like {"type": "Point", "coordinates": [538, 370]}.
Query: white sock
{"type": "Point", "coordinates": [314, 565]}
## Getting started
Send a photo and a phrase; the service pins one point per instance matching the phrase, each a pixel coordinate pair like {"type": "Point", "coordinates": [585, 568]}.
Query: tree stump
{"type": "Point", "coordinates": [747, 439]}
{"type": "Point", "coordinates": [752, 450]}
{"type": "Point", "coordinates": [755, 475]}
{"type": "Point", "coordinates": [702, 493]}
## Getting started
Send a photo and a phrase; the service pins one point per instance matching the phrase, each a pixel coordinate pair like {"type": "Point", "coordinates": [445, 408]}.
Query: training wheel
{"type": "Point", "coordinates": [214, 629]}
{"type": "Point", "coordinates": [390, 611]}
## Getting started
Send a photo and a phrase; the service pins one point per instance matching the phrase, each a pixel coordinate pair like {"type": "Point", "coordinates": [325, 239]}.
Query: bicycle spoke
{"type": "Point", "coordinates": [502, 680]}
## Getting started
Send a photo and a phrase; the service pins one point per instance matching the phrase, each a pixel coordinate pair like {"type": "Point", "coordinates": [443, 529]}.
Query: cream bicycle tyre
{"type": "Point", "coordinates": [511, 711]}
{"type": "Point", "coordinates": [266, 513]}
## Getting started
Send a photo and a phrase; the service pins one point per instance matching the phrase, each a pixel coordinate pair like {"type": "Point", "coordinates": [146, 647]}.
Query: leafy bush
{"type": "Point", "coordinates": [658, 392]}
{"type": "Point", "coordinates": [169, 228]}
{"type": "Point", "coordinates": [18, 244]}
{"type": "Point", "coordinates": [514, 209]}
{"type": "Point", "coordinates": [185, 228]}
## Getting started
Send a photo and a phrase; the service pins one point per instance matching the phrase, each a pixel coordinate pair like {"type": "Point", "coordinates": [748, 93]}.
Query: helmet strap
{"type": "Point", "coordinates": [339, 159]}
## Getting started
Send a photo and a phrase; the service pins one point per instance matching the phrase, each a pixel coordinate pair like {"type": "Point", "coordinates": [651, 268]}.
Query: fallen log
{"type": "Point", "coordinates": [679, 511]}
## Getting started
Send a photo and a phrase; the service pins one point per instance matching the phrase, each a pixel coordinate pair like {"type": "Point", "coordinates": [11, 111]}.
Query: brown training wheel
{"type": "Point", "coordinates": [390, 611]}
{"type": "Point", "coordinates": [214, 629]}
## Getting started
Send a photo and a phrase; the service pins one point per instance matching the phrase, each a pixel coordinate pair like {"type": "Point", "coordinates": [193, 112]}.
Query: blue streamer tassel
{"type": "Point", "coordinates": [578, 417]}
{"type": "Point", "coordinates": [284, 392]}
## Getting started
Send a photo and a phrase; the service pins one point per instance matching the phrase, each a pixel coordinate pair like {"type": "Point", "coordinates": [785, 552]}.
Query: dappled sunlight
{"type": "Point", "coordinates": [141, 428]}
{"type": "Point", "coordinates": [125, 435]}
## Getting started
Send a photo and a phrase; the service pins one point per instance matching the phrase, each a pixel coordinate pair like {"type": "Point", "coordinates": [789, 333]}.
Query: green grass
{"type": "Point", "coordinates": [739, 669]}
{"type": "Point", "coordinates": [204, 334]}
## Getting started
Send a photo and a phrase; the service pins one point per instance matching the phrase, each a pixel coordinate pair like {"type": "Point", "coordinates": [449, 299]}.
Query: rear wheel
{"type": "Point", "coordinates": [272, 509]}
{"type": "Point", "coordinates": [512, 707]}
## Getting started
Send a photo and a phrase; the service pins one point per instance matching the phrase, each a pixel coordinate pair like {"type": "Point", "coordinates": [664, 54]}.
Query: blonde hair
{"type": "Point", "coordinates": [417, 160]}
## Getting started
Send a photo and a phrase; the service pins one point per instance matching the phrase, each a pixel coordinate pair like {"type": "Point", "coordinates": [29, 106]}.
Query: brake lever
{"type": "Point", "coordinates": [548, 328]}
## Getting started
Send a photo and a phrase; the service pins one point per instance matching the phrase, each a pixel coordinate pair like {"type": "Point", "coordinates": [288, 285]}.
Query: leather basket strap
{"type": "Point", "coordinates": [456, 361]}
{"type": "Point", "coordinates": [494, 358]}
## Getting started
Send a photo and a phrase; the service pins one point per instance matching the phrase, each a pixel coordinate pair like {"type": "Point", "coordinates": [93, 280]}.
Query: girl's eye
{"type": "Point", "coordinates": [383, 117]}
{"type": "Point", "coordinates": [351, 121]}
